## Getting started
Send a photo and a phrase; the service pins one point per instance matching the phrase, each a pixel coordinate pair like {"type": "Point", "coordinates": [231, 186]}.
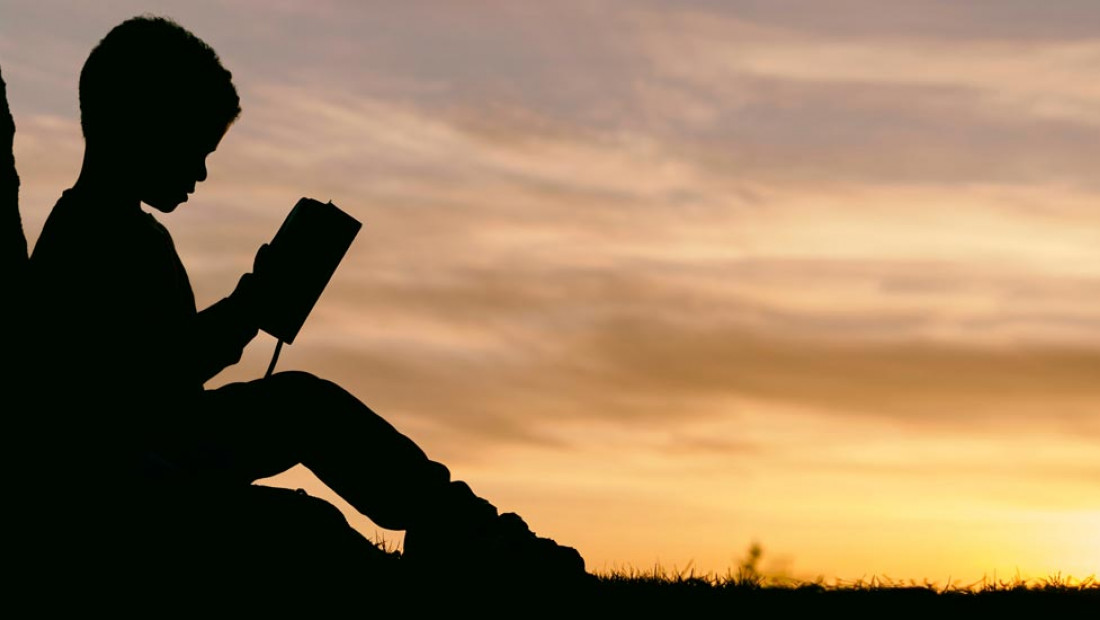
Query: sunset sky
{"type": "Point", "coordinates": [670, 277]}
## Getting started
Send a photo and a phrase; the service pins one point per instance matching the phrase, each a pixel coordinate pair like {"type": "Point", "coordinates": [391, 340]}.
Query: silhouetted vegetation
{"type": "Point", "coordinates": [660, 591]}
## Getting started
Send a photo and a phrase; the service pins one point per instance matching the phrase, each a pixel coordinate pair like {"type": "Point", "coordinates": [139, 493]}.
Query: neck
{"type": "Point", "coordinates": [104, 179]}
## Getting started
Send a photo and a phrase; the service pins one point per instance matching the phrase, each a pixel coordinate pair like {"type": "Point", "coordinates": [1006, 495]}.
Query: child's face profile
{"type": "Point", "coordinates": [171, 163]}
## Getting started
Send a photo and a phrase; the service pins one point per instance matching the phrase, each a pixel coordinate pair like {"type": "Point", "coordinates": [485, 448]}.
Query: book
{"type": "Point", "coordinates": [299, 262]}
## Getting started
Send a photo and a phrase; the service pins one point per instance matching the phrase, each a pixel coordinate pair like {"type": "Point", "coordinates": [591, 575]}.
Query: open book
{"type": "Point", "coordinates": [300, 260]}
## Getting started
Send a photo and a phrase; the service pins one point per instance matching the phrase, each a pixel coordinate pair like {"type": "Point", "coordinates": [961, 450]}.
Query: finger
{"type": "Point", "coordinates": [262, 258]}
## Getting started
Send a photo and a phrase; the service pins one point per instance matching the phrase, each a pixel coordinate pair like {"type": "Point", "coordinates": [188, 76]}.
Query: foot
{"type": "Point", "coordinates": [472, 539]}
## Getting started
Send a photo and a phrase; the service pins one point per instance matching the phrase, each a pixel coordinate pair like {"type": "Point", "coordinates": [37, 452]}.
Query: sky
{"type": "Point", "coordinates": [670, 277]}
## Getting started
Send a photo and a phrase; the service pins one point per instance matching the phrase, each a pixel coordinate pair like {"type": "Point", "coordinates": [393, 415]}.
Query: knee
{"type": "Point", "coordinates": [295, 386]}
{"type": "Point", "coordinates": [292, 378]}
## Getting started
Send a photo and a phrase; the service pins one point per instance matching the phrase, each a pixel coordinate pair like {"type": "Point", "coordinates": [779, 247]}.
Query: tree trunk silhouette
{"type": "Point", "coordinates": [13, 244]}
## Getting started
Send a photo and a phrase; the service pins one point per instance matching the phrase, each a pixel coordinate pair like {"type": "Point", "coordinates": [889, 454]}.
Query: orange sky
{"type": "Point", "coordinates": [670, 277]}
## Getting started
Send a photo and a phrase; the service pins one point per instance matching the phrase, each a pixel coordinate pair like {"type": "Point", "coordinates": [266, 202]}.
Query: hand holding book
{"type": "Point", "coordinates": [290, 273]}
{"type": "Point", "coordinates": [247, 296]}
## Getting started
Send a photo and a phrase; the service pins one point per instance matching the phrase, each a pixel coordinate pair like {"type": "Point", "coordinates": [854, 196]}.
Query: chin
{"type": "Point", "coordinates": [164, 206]}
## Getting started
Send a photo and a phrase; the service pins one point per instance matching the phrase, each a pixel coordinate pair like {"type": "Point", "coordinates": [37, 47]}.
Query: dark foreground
{"type": "Point", "coordinates": [607, 597]}
{"type": "Point", "coordinates": [502, 593]}
{"type": "Point", "coordinates": [283, 554]}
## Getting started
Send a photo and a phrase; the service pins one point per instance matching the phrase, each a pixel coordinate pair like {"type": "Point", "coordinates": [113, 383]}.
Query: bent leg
{"type": "Point", "coordinates": [263, 427]}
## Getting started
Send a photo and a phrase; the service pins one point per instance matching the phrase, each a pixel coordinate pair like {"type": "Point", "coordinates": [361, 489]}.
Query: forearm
{"type": "Point", "coordinates": [222, 331]}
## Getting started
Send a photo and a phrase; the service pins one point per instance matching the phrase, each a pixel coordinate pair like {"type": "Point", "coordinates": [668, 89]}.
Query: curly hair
{"type": "Point", "coordinates": [148, 72]}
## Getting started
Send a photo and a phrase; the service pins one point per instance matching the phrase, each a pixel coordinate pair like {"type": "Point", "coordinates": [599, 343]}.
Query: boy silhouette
{"type": "Point", "coordinates": [122, 353]}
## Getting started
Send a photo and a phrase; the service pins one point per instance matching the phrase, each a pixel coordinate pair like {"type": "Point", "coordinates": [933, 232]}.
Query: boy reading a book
{"type": "Point", "coordinates": [121, 333]}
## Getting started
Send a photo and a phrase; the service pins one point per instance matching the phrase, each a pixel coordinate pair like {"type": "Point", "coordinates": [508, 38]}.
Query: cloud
{"type": "Point", "coordinates": [519, 254]}
{"type": "Point", "coordinates": [518, 263]}
{"type": "Point", "coordinates": [786, 105]}
{"type": "Point", "coordinates": [1017, 20]}
{"type": "Point", "coordinates": [573, 264]}
{"type": "Point", "coordinates": [514, 376]}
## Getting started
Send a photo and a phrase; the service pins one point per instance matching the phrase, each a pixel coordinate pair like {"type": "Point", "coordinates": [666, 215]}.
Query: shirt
{"type": "Point", "coordinates": [120, 352]}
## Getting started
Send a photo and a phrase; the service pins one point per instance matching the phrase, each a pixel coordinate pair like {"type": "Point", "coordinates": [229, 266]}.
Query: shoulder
{"type": "Point", "coordinates": [79, 230]}
{"type": "Point", "coordinates": [60, 231]}
{"type": "Point", "coordinates": [71, 219]}
{"type": "Point", "coordinates": [84, 247]}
